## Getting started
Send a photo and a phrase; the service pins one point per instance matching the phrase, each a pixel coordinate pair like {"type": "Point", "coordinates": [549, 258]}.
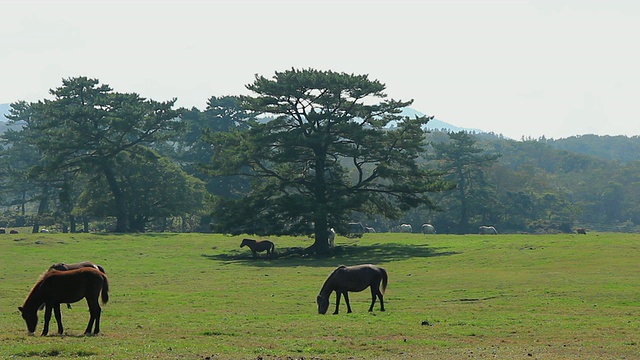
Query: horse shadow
{"type": "Point", "coordinates": [347, 254]}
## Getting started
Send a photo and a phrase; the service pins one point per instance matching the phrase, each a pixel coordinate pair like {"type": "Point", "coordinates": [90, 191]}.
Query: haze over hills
{"type": "Point", "coordinates": [434, 124]}
{"type": "Point", "coordinates": [4, 109]}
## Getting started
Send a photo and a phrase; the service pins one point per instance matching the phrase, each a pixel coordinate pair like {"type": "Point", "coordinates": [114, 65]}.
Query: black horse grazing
{"type": "Point", "coordinates": [259, 246]}
{"type": "Point", "coordinates": [353, 278]}
{"type": "Point", "coordinates": [56, 287]}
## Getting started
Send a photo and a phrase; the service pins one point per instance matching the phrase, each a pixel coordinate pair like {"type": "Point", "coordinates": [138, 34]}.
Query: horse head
{"type": "Point", "coordinates": [31, 318]}
{"type": "Point", "coordinates": [247, 242]}
{"type": "Point", "coordinates": [323, 304]}
{"type": "Point", "coordinates": [58, 266]}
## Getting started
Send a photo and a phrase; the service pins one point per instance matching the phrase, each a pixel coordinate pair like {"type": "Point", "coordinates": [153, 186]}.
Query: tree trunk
{"type": "Point", "coordinates": [43, 206]}
{"type": "Point", "coordinates": [23, 208]}
{"type": "Point", "coordinates": [321, 242]}
{"type": "Point", "coordinates": [464, 216]}
{"type": "Point", "coordinates": [72, 223]}
{"type": "Point", "coordinates": [121, 206]}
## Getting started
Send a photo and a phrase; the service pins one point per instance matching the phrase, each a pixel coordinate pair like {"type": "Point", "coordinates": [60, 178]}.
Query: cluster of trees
{"type": "Point", "coordinates": [546, 186]}
{"type": "Point", "coordinates": [308, 151]}
{"type": "Point", "coordinates": [326, 152]}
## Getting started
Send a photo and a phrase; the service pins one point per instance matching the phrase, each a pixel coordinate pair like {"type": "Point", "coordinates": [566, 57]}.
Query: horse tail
{"type": "Point", "coordinates": [385, 279]}
{"type": "Point", "coordinates": [105, 290]}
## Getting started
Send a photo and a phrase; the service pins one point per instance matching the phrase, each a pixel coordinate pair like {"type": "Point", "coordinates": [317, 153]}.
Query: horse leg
{"type": "Point", "coordinates": [338, 294]}
{"type": "Point", "coordinates": [255, 254]}
{"type": "Point", "coordinates": [58, 315]}
{"type": "Point", "coordinates": [374, 293]}
{"type": "Point", "coordinates": [47, 318]}
{"type": "Point", "coordinates": [379, 294]}
{"type": "Point", "coordinates": [346, 299]}
{"type": "Point", "coordinates": [94, 316]}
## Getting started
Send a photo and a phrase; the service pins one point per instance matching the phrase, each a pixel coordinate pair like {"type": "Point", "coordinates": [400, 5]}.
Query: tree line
{"type": "Point", "coordinates": [307, 151]}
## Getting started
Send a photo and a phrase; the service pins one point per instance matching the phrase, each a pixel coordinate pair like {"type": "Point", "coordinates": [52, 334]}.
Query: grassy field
{"type": "Point", "coordinates": [199, 296]}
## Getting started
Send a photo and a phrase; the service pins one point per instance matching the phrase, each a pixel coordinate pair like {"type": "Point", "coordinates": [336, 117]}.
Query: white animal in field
{"type": "Point", "coordinates": [332, 237]}
{"type": "Point", "coordinates": [428, 229]}
{"type": "Point", "coordinates": [487, 230]}
{"type": "Point", "coordinates": [406, 228]}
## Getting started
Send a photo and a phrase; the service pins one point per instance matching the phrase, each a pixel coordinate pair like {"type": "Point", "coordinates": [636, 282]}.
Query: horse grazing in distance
{"type": "Point", "coordinates": [65, 267]}
{"type": "Point", "coordinates": [332, 237]}
{"type": "Point", "coordinates": [406, 228]}
{"type": "Point", "coordinates": [428, 229]}
{"type": "Point", "coordinates": [355, 279]}
{"type": "Point", "coordinates": [487, 230]}
{"type": "Point", "coordinates": [581, 231]}
{"type": "Point", "coordinates": [56, 287]}
{"type": "Point", "coordinates": [259, 246]}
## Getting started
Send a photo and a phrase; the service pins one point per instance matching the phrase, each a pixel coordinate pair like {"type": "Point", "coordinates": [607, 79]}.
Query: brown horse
{"type": "Point", "coordinates": [259, 246]}
{"type": "Point", "coordinates": [353, 278]}
{"type": "Point", "coordinates": [65, 267]}
{"type": "Point", "coordinates": [56, 287]}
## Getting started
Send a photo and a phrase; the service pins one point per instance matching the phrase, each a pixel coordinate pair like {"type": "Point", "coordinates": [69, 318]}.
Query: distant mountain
{"type": "Point", "coordinates": [4, 109]}
{"type": "Point", "coordinates": [436, 124]}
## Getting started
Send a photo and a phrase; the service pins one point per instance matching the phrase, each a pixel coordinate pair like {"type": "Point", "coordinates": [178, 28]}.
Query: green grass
{"type": "Point", "coordinates": [198, 296]}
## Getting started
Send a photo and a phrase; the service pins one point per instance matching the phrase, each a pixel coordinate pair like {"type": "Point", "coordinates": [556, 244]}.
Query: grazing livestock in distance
{"type": "Point", "coordinates": [352, 278]}
{"type": "Point", "coordinates": [259, 246]}
{"type": "Point", "coordinates": [65, 267]}
{"type": "Point", "coordinates": [487, 230]}
{"type": "Point", "coordinates": [13, 231]}
{"type": "Point", "coordinates": [428, 229]}
{"type": "Point", "coordinates": [406, 228]}
{"type": "Point", "coordinates": [332, 237]}
{"type": "Point", "coordinates": [56, 287]}
{"type": "Point", "coordinates": [581, 231]}
{"type": "Point", "coordinates": [355, 230]}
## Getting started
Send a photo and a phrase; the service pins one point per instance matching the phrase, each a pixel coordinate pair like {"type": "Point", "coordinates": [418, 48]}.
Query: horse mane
{"type": "Point", "coordinates": [340, 267]}
{"type": "Point", "coordinates": [330, 277]}
{"type": "Point", "coordinates": [35, 288]}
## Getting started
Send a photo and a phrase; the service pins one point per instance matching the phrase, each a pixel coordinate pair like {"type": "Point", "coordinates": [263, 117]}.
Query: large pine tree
{"type": "Point", "coordinates": [334, 145]}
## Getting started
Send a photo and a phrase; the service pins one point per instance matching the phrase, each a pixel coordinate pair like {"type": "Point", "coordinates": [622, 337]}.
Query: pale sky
{"type": "Point", "coordinates": [519, 68]}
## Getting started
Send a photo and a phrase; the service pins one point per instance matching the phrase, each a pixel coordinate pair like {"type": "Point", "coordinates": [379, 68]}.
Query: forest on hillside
{"type": "Point", "coordinates": [158, 160]}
